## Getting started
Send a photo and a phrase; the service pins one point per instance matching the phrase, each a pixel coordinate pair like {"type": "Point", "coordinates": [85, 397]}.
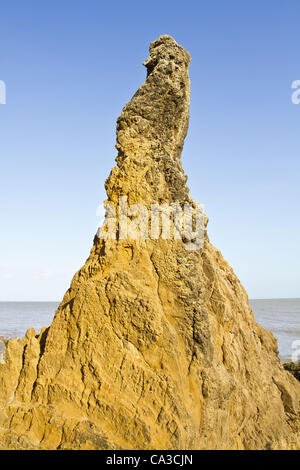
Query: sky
{"type": "Point", "coordinates": [70, 66]}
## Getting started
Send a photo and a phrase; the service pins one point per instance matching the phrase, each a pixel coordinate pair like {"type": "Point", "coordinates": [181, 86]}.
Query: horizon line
{"type": "Point", "coordinates": [59, 301]}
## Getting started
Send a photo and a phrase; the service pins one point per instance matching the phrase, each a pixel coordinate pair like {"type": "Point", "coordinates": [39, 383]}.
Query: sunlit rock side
{"type": "Point", "coordinates": [2, 350]}
{"type": "Point", "coordinates": [153, 346]}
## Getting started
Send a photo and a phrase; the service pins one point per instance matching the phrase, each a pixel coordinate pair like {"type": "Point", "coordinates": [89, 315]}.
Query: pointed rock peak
{"type": "Point", "coordinates": [164, 52]}
{"type": "Point", "coordinates": [152, 128]}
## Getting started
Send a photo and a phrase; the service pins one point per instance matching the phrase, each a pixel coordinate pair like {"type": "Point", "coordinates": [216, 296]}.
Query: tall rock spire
{"type": "Point", "coordinates": [153, 346]}
{"type": "Point", "coordinates": [152, 128]}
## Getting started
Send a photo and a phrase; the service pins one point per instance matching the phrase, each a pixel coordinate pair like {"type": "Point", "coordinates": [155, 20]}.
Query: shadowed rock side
{"type": "Point", "coordinates": [153, 346]}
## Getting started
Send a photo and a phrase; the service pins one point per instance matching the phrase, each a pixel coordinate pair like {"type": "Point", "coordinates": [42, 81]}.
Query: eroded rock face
{"type": "Point", "coordinates": [153, 346]}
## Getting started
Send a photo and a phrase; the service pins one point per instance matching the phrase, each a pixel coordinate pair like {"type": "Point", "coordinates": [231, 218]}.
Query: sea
{"type": "Point", "coordinates": [281, 316]}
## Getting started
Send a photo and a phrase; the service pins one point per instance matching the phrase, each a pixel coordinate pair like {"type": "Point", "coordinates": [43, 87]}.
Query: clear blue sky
{"type": "Point", "coordinates": [70, 66]}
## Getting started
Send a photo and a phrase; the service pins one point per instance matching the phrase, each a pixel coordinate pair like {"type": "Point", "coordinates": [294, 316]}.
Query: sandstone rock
{"type": "Point", "coordinates": [153, 346]}
{"type": "Point", "coordinates": [2, 350]}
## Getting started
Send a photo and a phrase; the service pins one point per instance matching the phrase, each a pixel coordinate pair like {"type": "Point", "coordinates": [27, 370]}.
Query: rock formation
{"type": "Point", "coordinates": [153, 346]}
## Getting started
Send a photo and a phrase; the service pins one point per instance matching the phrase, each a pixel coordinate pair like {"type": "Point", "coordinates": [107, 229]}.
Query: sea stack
{"type": "Point", "coordinates": [153, 346]}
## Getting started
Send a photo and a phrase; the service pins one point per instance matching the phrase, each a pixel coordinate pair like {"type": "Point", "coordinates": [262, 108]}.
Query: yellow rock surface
{"type": "Point", "coordinates": [153, 346]}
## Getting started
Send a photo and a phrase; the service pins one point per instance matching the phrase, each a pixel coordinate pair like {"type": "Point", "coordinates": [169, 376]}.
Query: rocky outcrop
{"type": "Point", "coordinates": [153, 346]}
{"type": "Point", "coordinates": [293, 368]}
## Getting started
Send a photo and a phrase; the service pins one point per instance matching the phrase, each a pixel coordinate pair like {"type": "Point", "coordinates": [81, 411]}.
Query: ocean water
{"type": "Point", "coordinates": [17, 317]}
{"type": "Point", "coordinates": [281, 316]}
